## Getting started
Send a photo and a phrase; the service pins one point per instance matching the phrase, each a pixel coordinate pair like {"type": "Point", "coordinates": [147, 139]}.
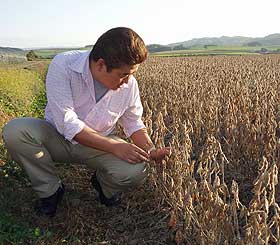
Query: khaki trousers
{"type": "Point", "coordinates": [36, 145]}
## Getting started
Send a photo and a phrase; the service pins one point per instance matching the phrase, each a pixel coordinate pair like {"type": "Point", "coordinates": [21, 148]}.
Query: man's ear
{"type": "Point", "coordinates": [101, 65]}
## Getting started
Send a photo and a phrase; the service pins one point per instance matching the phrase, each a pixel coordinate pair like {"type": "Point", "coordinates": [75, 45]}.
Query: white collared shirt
{"type": "Point", "coordinates": [71, 99]}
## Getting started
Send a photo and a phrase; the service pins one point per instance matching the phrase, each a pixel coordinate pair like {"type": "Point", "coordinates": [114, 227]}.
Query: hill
{"type": "Point", "coordinates": [273, 39]}
{"type": "Point", "coordinates": [8, 50]}
{"type": "Point", "coordinates": [11, 55]}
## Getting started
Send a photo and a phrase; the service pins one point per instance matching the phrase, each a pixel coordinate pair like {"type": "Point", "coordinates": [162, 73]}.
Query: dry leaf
{"type": "Point", "coordinates": [178, 237]}
{"type": "Point", "coordinates": [173, 220]}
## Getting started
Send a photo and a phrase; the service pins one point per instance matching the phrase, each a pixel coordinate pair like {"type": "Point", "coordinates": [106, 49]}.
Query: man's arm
{"type": "Point", "coordinates": [125, 151]}
{"type": "Point", "coordinates": [143, 140]}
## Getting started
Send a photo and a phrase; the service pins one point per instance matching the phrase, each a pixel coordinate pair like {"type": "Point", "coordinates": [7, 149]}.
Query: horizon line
{"type": "Point", "coordinates": [84, 46]}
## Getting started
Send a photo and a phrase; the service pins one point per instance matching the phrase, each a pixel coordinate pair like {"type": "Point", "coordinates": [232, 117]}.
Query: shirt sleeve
{"type": "Point", "coordinates": [60, 102]}
{"type": "Point", "coordinates": [131, 120]}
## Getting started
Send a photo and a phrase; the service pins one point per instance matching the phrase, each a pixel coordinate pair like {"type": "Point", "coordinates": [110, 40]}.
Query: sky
{"type": "Point", "coordinates": [73, 23]}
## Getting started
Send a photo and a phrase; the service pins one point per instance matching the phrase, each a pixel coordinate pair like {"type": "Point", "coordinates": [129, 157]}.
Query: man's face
{"type": "Point", "coordinates": [117, 76]}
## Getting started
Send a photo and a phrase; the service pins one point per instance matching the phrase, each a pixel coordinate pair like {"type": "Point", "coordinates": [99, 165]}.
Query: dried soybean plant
{"type": "Point", "coordinates": [221, 116]}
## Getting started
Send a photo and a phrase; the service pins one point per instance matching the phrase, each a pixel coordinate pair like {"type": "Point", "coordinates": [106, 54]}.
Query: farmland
{"type": "Point", "coordinates": [190, 51]}
{"type": "Point", "coordinates": [221, 117]}
{"type": "Point", "coordinates": [219, 50]}
{"type": "Point", "coordinates": [17, 56]}
{"type": "Point", "coordinates": [49, 53]}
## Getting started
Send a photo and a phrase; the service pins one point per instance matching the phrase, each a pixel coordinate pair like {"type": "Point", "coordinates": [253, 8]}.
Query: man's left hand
{"type": "Point", "coordinates": [158, 154]}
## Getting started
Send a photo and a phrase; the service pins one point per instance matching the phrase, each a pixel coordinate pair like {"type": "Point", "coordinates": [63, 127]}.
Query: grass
{"type": "Point", "coordinates": [21, 94]}
{"type": "Point", "coordinates": [27, 87]}
{"type": "Point", "coordinates": [14, 229]}
{"type": "Point", "coordinates": [181, 54]}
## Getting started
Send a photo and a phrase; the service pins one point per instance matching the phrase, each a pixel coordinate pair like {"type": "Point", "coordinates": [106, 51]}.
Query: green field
{"type": "Point", "coordinates": [193, 51]}
{"type": "Point", "coordinates": [217, 50]}
{"type": "Point", "coordinates": [50, 53]}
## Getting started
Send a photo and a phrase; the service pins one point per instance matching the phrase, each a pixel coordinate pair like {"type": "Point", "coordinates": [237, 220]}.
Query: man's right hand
{"type": "Point", "coordinates": [125, 151]}
{"type": "Point", "coordinates": [130, 153]}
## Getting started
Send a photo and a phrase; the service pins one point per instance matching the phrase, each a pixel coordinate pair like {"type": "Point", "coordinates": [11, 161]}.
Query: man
{"type": "Point", "coordinates": [88, 93]}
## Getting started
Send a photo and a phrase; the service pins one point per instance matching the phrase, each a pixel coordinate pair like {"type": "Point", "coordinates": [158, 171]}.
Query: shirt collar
{"type": "Point", "coordinates": [79, 64]}
{"type": "Point", "coordinates": [125, 85]}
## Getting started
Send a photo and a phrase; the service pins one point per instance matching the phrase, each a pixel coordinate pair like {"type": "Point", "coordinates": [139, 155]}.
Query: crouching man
{"type": "Point", "coordinates": [88, 92]}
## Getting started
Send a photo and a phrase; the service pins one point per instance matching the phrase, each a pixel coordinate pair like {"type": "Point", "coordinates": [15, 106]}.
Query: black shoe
{"type": "Point", "coordinates": [108, 202]}
{"type": "Point", "coordinates": [47, 206]}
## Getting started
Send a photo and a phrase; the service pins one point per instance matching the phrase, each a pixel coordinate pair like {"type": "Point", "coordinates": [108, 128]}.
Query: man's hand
{"type": "Point", "coordinates": [130, 153]}
{"type": "Point", "coordinates": [158, 154]}
{"type": "Point", "coordinates": [143, 140]}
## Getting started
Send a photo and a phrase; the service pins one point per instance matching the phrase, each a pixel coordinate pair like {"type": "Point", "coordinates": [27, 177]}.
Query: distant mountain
{"type": "Point", "coordinates": [10, 55]}
{"type": "Point", "coordinates": [158, 48]}
{"type": "Point", "coordinates": [273, 39]}
{"type": "Point", "coordinates": [224, 40]}
{"type": "Point", "coordinates": [7, 50]}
